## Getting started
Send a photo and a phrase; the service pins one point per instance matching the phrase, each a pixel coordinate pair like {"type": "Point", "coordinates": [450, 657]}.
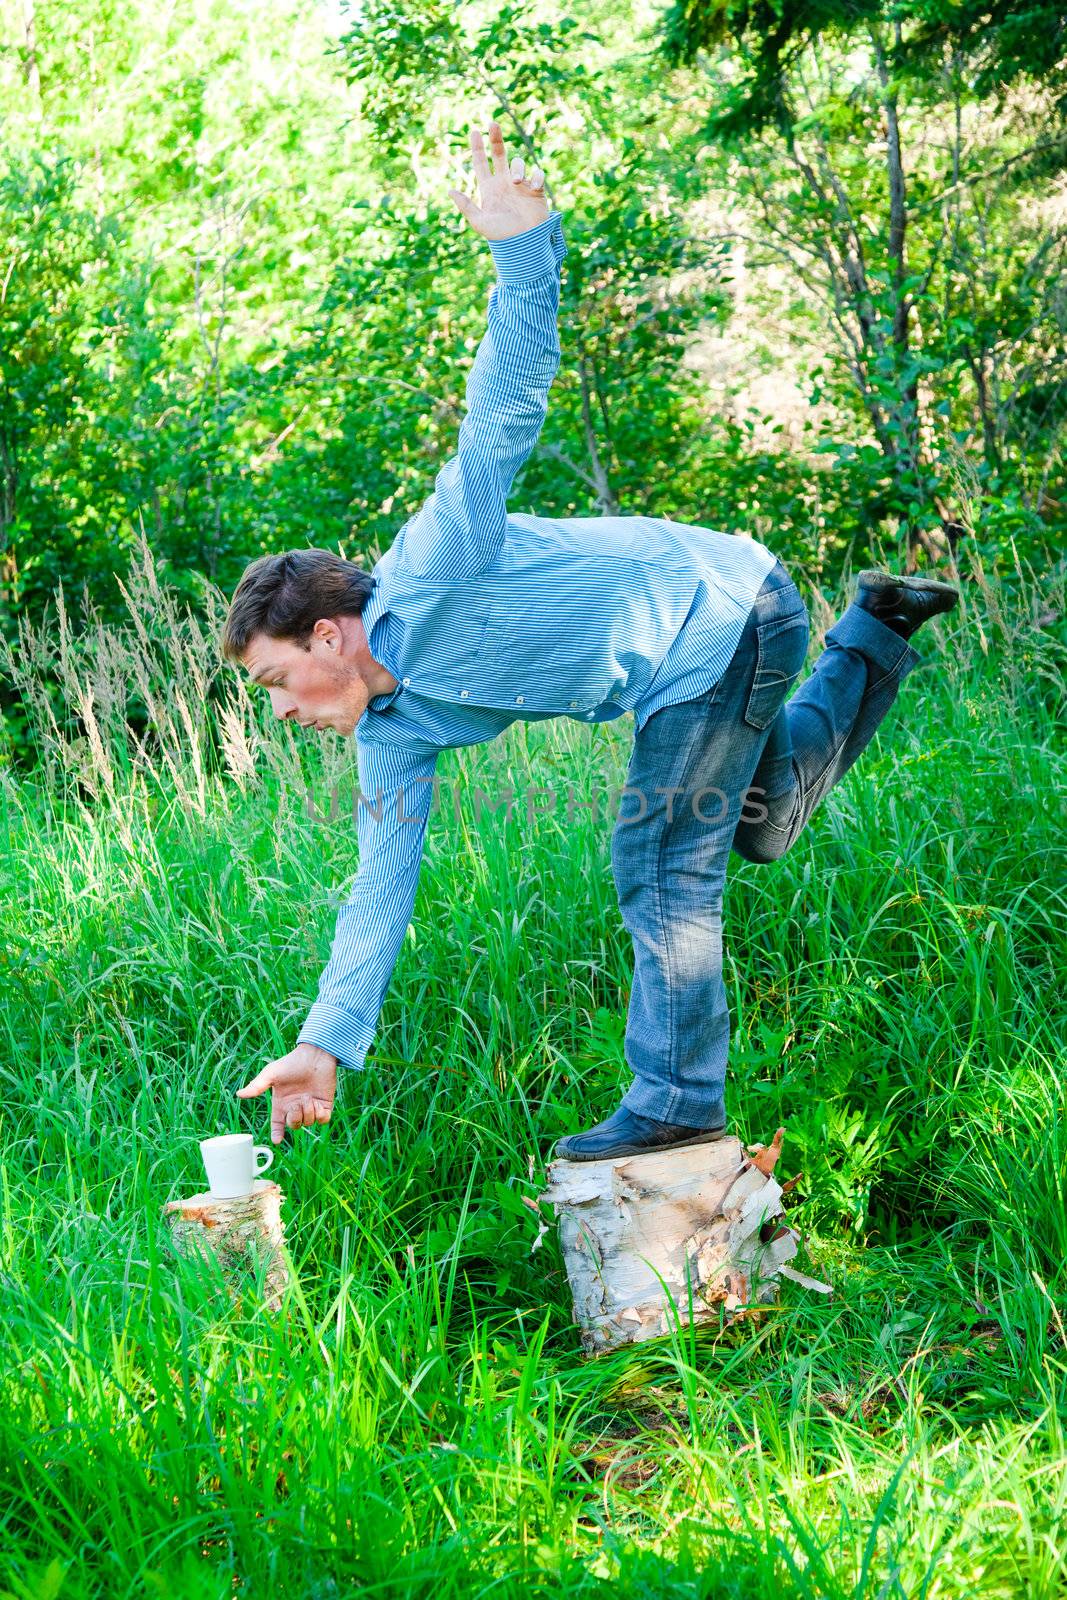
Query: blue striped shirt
{"type": "Point", "coordinates": [486, 617]}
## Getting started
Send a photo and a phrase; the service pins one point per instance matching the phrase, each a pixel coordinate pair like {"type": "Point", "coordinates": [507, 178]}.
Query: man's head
{"type": "Point", "coordinates": [294, 624]}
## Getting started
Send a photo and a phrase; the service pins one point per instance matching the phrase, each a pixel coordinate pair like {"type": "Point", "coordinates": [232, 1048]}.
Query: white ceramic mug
{"type": "Point", "coordinates": [233, 1163]}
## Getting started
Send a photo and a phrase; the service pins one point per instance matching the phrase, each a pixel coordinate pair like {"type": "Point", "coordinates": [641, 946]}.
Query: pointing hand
{"type": "Point", "coordinates": [302, 1084]}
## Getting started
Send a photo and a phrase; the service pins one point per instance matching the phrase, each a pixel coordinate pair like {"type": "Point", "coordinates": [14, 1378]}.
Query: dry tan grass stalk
{"type": "Point", "coordinates": [194, 735]}
{"type": "Point", "coordinates": [239, 751]}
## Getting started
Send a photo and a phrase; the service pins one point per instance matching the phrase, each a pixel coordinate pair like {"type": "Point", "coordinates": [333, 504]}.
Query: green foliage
{"type": "Point", "coordinates": [927, 247]}
{"type": "Point", "coordinates": [999, 43]}
{"type": "Point", "coordinates": [58, 338]}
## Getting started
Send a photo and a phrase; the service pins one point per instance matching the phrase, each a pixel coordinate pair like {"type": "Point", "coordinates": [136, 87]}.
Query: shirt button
{"type": "Point", "coordinates": [407, 680]}
{"type": "Point", "coordinates": [574, 702]}
{"type": "Point", "coordinates": [520, 699]}
{"type": "Point", "coordinates": [463, 693]}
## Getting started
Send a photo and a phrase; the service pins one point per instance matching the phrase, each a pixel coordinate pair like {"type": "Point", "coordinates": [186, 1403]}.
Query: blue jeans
{"type": "Point", "coordinates": [743, 768]}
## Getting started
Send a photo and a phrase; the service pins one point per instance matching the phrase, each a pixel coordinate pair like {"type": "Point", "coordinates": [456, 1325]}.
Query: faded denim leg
{"type": "Point", "coordinates": [687, 781]}
{"type": "Point", "coordinates": [822, 729]}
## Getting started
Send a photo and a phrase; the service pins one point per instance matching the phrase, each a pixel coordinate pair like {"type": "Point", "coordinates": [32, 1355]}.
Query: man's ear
{"type": "Point", "coordinates": [327, 630]}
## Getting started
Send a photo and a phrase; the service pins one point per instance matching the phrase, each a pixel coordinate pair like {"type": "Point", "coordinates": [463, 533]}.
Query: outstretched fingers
{"type": "Point", "coordinates": [468, 206]}
{"type": "Point", "coordinates": [496, 146]}
{"type": "Point", "coordinates": [494, 182]}
{"type": "Point", "coordinates": [480, 161]}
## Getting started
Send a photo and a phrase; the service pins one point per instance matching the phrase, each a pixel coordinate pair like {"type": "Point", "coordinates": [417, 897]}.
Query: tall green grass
{"type": "Point", "coordinates": [417, 1418]}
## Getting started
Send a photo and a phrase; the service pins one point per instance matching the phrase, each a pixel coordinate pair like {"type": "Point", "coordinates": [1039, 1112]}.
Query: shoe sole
{"type": "Point", "coordinates": [871, 578]}
{"type": "Point", "coordinates": [639, 1150]}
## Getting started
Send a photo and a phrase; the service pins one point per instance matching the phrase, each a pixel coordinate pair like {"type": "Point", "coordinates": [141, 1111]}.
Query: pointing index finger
{"type": "Point", "coordinates": [254, 1085]}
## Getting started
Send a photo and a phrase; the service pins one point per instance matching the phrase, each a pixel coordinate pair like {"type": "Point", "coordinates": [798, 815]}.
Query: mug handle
{"type": "Point", "coordinates": [258, 1151]}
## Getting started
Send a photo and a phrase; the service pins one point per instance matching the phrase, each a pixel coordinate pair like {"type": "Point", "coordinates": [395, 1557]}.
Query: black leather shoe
{"type": "Point", "coordinates": [903, 604]}
{"type": "Point", "coordinates": [626, 1134]}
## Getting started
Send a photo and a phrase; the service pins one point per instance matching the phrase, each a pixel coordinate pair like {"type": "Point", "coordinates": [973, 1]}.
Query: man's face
{"type": "Point", "coordinates": [319, 688]}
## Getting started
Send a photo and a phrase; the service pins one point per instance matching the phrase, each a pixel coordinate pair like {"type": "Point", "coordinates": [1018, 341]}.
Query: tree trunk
{"type": "Point", "coordinates": [656, 1241]}
{"type": "Point", "coordinates": [244, 1236]}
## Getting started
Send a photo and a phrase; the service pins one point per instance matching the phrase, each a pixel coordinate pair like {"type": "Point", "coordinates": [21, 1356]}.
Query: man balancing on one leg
{"type": "Point", "coordinates": [474, 619]}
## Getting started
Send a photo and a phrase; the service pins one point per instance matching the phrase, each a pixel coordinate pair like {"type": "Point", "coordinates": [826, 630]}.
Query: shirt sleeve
{"type": "Point", "coordinates": [395, 793]}
{"type": "Point", "coordinates": [460, 528]}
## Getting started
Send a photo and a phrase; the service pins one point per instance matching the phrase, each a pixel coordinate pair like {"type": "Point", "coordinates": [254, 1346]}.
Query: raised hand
{"type": "Point", "coordinates": [508, 202]}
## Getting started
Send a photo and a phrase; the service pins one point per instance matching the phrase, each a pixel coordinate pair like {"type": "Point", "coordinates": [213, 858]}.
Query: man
{"type": "Point", "coordinates": [474, 619]}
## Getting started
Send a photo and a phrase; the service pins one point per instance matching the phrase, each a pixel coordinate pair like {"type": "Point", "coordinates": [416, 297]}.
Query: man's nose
{"type": "Point", "coordinates": [283, 710]}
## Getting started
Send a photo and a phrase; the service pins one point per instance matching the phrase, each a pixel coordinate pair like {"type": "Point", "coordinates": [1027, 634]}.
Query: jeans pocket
{"type": "Point", "coordinates": [782, 647]}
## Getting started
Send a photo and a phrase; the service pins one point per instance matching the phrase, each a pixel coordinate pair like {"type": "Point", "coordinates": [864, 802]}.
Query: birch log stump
{"type": "Point", "coordinates": [639, 1234]}
{"type": "Point", "coordinates": [245, 1236]}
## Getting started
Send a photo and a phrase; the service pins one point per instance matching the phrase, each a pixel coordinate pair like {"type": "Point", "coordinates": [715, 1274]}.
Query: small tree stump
{"type": "Point", "coordinates": [640, 1234]}
{"type": "Point", "coordinates": [244, 1235]}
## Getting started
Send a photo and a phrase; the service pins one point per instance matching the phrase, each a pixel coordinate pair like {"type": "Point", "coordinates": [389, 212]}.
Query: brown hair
{"type": "Point", "coordinates": [284, 596]}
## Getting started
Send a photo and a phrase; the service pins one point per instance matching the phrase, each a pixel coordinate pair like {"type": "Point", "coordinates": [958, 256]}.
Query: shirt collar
{"type": "Point", "coordinates": [376, 608]}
